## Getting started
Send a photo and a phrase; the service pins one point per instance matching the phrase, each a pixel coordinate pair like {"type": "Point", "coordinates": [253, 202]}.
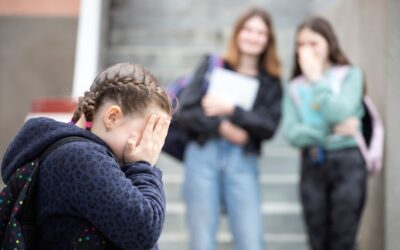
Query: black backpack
{"type": "Point", "coordinates": [177, 138]}
{"type": "Point", "coordinates": [18, 210]}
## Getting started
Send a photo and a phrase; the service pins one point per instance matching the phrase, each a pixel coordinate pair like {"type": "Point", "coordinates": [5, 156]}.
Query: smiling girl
{"type": "Point", "coordinates": [221, 166]}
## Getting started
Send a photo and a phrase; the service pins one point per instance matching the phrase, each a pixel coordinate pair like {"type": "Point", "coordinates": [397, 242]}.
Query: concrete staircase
{"type": "Point", "coordinates": [169, 37]}
{"type": "Point", "coordinates": [281, 210]}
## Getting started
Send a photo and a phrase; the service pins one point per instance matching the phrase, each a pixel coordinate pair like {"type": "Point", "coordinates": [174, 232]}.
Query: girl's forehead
{"type": "Point", "coordinates": [307, 33]}
{"type": "Point", "coordinates": [156, 110]}
{"type": "Point", "coordinates": [255, 21]}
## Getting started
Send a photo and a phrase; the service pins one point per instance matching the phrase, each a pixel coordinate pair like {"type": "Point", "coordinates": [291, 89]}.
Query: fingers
{"type": "Point", "coordinates": [161, 128]}
{"type": "Point", "coordinates": [130, 147]}
{"type": "Point", "coordinates": [131, 143]}
{"type": "Point", "coordinates": [347, 127]}
{"type": "Point", "coordinates": [207, 105]}
{"type": "Point", "coordinates": [205, 102]}
{"type": "Point", "coordinates": [165, 128]}
{"type": "Point", "coordinates": [151, 143]}
{"type": "Point", "coordinates": [148, 130]}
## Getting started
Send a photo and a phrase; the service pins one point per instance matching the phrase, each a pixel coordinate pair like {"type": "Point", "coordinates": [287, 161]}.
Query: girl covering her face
{"type": "Point", "coordinates": [105, 184]}
{"type": "Point", "coordinates": [322, 110]}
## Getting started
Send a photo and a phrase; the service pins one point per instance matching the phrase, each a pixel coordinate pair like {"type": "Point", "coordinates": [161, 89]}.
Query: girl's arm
{"type": "Point", "coordinates": [336, 107]}
{"type": "Point", "coordinates": [262, 122]}
{"type": "Point", "coordinates": [126, 204]}
{"type": "Point", "coordinates": [297, 133]}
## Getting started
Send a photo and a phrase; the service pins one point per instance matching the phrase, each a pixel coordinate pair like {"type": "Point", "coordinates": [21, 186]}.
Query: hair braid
{"type": "Point", "coordinates": [78, 112]}
{"type": "Point", "coordinates": [89, 106]}
{"type": "Point", "coordinates": [130, 86]}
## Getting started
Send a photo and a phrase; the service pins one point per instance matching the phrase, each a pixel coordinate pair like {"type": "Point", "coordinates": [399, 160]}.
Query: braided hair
{"type": "Point", "coordinates": [130, 86]}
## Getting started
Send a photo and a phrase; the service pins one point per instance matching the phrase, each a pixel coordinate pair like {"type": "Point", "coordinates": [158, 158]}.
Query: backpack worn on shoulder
{"type": "Point", "coordinates": [18, 210]}
{"type": "Point", "coordinates": [176, 140]}
{"type": "Point", "coordinates": [371, 139]}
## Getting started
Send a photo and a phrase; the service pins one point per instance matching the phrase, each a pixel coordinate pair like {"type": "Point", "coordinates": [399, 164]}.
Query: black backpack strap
{"type": "Point", "coordinates": [65, 140]}
{"type": "Point", "coordinates": [29, 212]}
{"type": "Point", "coordinates": [58, 143]}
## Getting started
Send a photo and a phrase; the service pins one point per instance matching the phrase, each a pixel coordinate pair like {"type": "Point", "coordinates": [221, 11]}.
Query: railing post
{"type": "Point", "coordinates": [88, 46]}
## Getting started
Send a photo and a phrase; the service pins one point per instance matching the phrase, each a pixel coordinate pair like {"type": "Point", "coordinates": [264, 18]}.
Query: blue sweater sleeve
{"type": "Point", "coordinates": [127, 204]}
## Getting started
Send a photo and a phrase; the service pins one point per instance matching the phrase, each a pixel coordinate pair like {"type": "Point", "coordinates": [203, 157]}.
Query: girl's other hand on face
{"type": "Point", "coordinates": [310, 65]}
{"type": "Point", "coordinates": [214, 106]}
{"type": "Point", "coordinates": [151, 143]}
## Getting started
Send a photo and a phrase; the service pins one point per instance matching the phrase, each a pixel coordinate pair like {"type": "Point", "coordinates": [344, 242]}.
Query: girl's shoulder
{"type": "Point", "coordinates": [266, 78]}
{"type": "Point", "coordinates": [82, 151]}
{"type": "Point", "coordinates": [297, 82]}
{"type": "Point", "coordinates": [345, 69]}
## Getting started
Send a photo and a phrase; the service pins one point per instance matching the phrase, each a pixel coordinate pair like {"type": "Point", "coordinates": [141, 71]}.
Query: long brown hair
{"type": "Point", "coordinates": [130, 86]}
{"type": "Point", "coordinates": [322, 27]}
{"type": "Point", "coordinates": [268, 59]}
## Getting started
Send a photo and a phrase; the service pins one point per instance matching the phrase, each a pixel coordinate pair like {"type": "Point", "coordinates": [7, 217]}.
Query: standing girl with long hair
{"type": "Point", "coordinates": [322, 113]}
{"type": "Point", "coordinates": [221, 159]}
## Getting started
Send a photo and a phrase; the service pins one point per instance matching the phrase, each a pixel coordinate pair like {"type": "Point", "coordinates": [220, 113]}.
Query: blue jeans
{"type": "Point", "coordinates": [215, 173]}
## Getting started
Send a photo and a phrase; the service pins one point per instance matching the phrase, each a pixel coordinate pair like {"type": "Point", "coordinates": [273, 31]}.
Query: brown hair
{"type": "Point", "coordinates": [268, 59]}
{"type": "Point", "coordinates": [130, 86]}
{"type": "Point", "coordinates": [322, 27]}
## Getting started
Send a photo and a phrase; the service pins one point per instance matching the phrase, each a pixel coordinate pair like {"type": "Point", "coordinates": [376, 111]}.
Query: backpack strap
{"type": "Point", "coordinates": [58, 143]}
{"type": "Point", "coordinates": [372, 153]}
{"type": "Point", "coordinates": [28, 212]}
{"type": "Point", "coordinates": [214, 62]}
{"type": "Point", "coordinates": [65, 140]}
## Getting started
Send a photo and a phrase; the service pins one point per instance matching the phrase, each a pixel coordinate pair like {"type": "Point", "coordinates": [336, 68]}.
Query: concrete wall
{"type": "Point", "coordinates": [37, 56]}
{"type": "Point", "coordinates": [369, 34]}
{"type": "Point", "coordinates": [392, 173]}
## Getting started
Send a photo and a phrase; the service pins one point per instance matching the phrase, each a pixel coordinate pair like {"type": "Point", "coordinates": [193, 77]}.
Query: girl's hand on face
{"type": "Point", "coordinates": [347, 127]}
{"type": "Point", "coordinates": [233, 133]}
{"type": "Point", "coordinates": [214, 106]}
{"type": "Point", "coordinates": [151, 143]}
{"type": "Point", "coordinates": [310, 65]}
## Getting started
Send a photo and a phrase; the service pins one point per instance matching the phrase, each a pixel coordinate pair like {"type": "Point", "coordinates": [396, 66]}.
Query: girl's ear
{"type": "Point", "coordinates": [112, 116]}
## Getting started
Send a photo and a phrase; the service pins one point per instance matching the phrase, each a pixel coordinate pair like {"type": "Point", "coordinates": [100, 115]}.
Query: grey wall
{"type": "Point", "coordinates": [392, 176]}
{"type": "Point", "coordinates": [369, 36]}
{"type": "Point", "coordinates": [36, 60]}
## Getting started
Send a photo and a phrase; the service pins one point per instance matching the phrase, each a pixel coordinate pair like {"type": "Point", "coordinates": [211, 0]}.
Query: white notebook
{"type": "Point", "coordinates": [233, 87]}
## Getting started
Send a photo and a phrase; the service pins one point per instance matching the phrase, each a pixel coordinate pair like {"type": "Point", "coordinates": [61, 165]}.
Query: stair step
{"type": "Point", "coordinates": [275, 220]}
{"type": "Point", "coordinates": [266, 208]}
{"type": "Point", "coordinates": [268, 164]}
{"type": "Point", "coordinates": [274, 188]}
{"type": "Point", "coordinates": [227, 237]}
{"type": "Point", "coordinates": [173, 241]}
{"type": "Point", "coordinates": [169, 36]}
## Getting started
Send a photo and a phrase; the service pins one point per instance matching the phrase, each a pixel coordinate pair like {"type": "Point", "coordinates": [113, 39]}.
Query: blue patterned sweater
{"type": "Point", "coordinates": [80, 181]}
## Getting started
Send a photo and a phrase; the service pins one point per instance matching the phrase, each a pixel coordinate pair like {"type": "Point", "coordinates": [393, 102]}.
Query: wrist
{"type": "Point", "coordinates": [313, 77]}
